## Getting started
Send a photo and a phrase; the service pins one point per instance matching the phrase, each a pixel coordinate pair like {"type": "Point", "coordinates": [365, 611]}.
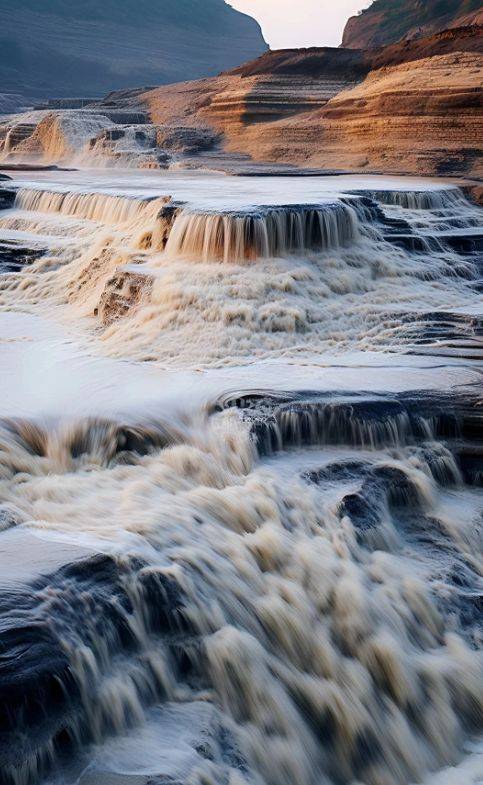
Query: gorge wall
{"type": "Point", "coordinates": [410, 107]}
{"type": "Point", "coordinates": [388, 21]}
{"type": "Point", "coordinates": [66, 48]}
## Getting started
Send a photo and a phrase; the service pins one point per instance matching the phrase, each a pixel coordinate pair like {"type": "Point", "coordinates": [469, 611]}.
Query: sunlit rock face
{"type": "Point", "coordinates": [66, 48]}
{"type": "Point", "coordinates": [408, 107]}
{"type": "Point", "coordinates": [412, 107]}
{"type": "Point", "coordinates": [387, 21]}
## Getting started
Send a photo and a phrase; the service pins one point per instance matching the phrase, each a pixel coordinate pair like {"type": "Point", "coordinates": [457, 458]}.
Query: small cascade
{"type": "Point", "coordinates": [245, 592]}
{"type": "Point", "coordinates": [438, 199]}
{"type": "Point", "coordinates": [364, 424]}
{"type": "Point", "coordinates": [90, 442]}
{"type": "Point", "coordinates": [100, 207]}
{"type": "Point", "coordinates": [286, 535]}
{"type": "Point", "coordinates": [374, 423]}
{"type": "Point", "coordinates": [90, 680]}
{"type": "Point", "coordinates": [425, 222]}
{"type": "Point", "coordinates": [266, 233]}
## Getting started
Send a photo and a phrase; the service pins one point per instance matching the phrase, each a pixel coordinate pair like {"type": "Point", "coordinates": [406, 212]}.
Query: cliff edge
{"type": "Point", "coordinates": [388, 21]}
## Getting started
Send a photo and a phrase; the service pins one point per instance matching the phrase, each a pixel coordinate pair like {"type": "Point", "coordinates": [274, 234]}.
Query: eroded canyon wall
{"type": "Point", "coordinates": [388, 21]}
{"type": "Point", "coordinates": [410, 107]}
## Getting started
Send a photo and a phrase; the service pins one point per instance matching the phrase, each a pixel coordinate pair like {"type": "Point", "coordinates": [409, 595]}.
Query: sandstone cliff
{"type": "Point", "coordinates": [67, 48]}
{"type": "Point", "coordinates": [411, 107]}
{"type": "Point", "coordinates": [388, 21]}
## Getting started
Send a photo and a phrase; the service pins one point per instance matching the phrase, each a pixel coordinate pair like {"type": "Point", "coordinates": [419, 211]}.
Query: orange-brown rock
{"type": "Point", "coordinates": [123, 292]}
{"type": "Point", "coordinates": [411, 107]}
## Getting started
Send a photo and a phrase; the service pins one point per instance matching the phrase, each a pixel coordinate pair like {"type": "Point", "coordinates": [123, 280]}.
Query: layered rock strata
{"type": "Point", "coordinates": [411, 107]}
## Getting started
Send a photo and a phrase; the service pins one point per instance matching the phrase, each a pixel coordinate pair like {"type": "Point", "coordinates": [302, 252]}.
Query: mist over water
{"type": "Point", "coordinates": [240, 474]}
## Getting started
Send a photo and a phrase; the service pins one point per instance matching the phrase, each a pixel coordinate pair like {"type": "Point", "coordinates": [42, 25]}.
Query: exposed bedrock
{"type": "Point", "coordinates": [386, 21]}
{"type": "Point", "coordinates": [100, 135]}
{"type": "Point", "coordinates": [121, 294]}
{"type": "Point", "coordinates": [411, 107]}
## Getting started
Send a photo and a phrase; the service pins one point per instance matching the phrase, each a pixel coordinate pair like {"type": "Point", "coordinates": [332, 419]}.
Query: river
{"type": "Point", "coordinates": [240, 480]}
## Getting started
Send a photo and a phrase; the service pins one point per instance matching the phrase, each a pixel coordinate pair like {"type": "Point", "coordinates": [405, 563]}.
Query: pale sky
{"type": "Point", "coordinates": [292, 23]}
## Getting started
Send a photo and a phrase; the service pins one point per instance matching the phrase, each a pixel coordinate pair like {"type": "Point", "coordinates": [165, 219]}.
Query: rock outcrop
{"type": "Point", "coordinates": [412, 107]}
{"type": "Point", "coordinates": [388, 21]}
{"type": "Point", "coordinates": [423, 117]}
{"type": "Point", "coordinates": [123, 292]}
{"type": "Point", "coordinates": [66, 48]}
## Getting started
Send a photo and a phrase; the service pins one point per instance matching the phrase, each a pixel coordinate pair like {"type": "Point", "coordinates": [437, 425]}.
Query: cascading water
{"type": "Point", "coordinates": [240, 498]}
{"type": "Point", "coordinates": [445, 199]}
{"type": "Point", "coordinates": [100, 207]}
{"type": "Point", "coordinates": [233, 237]}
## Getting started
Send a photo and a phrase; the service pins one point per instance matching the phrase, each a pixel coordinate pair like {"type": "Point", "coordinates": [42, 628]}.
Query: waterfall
{"type": "Point", "coordinates": [247, 491]}
{"type": "Point", "coordinates": [100, 207]}
{"type": "Point", "coordinates": [266, 233]}
{"type": "Point", "coordinates": [437, 199]}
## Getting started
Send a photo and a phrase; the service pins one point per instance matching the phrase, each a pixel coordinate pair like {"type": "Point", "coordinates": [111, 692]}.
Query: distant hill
{"type": "Point", "coordinates": [388, 21]}
{"type": "Point", "coordinates": [58, 48]}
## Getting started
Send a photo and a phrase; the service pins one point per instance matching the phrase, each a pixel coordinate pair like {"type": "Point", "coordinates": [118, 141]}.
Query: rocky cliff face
{"type": "Point", "coordinates": [67, 48]}
{"type": "Point", "coordinates": [411, 107]}
{"type": "Point", "coordinates": [388, 21]}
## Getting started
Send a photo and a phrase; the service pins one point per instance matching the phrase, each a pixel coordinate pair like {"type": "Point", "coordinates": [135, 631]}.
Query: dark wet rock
{"type": "Point", "coordinates": [108, 135]}
{"type": "Point", "coordinates": [378, 489]}
{"type": "Point", "coordinates": [186, 140]}
{"type": "Point", "coordinates": [85, 605]}
{"type": "Point", "coordinates": [7, 196]}
{"type": "Point", "coordinates": [362, 510]}
{"type": "Point", "coordinates": [470, 460]}
{"type": "Point", "coordinates": [470, 242]}
{"type": "Point", "coordinates": [14, 257]}
{"type": "Point", "coordinates": [339, 472]}
{"type": "Point", "coordinates": [284, 421]}
{"type": "Point", "coordinates": [398, 486]}
{"type": "Point", "coordinates": [412, 242]}
{"type": "Point", "coordinates": [166, 615]}
{"type": "Point", "coordinates": [9, 518]}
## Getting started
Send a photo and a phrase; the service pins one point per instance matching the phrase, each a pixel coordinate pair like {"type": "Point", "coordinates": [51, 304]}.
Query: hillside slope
{"type": "Point", "coordinates": [411, 107]}
{"type": "Point", "coordinates": [388, 21]}
{"type": "Point", "coordinates": [63, 47]}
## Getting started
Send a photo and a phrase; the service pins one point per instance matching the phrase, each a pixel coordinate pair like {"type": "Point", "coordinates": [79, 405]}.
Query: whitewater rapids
{"type": "Point", "coordinates": [240, 481]}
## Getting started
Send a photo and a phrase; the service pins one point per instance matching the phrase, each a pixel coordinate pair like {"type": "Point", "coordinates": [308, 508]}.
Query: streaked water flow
{"type": "Point", "coordinates": [240, 482]}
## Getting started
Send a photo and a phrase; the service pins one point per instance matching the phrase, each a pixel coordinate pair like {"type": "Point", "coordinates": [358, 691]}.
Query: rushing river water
{"type": "Point", "coordinates": [240, 480]}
